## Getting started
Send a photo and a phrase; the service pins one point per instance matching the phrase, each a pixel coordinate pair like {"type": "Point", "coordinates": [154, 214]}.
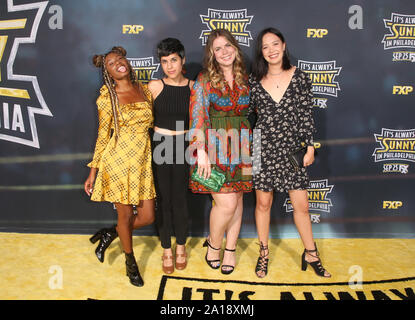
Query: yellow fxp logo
{"type": "Point", "coordinates": [132, 28]}
{"type": "Point", "coordinates": [405, 90]}
{"type": "Point", "coordinates": [392, 204]}
{"type": "Point", "coordinates": [316, 33]}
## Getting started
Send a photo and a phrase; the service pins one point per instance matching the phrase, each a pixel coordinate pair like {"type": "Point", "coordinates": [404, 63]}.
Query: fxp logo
{"type": "Point", "coordinates": [20, 95]}
{"type": "Point", "coordinates": [392, 205]}
{"type": "Point", "coordinates": [405, 90]}
{"type": "Point", "coordinates": [316, 33]}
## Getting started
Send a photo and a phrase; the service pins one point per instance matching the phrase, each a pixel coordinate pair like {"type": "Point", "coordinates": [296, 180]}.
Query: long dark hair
{"type": "Point", "coordinates": [260, 65]}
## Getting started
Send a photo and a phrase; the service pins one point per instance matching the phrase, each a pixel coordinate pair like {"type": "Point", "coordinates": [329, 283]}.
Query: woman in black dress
{"type": "Point", "coordinates": [282, 98]}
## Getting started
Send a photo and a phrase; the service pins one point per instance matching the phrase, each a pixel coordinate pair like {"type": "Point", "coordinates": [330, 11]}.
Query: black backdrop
{"type": "Point", "coordinates": [360, 55]}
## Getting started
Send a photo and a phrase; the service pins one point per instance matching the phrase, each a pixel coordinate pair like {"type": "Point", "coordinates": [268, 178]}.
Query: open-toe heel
{"type": "Point", "coordinates": [262, 262]}
{"type": "Point", "coordinates": [228, 271]}
{"type": "Point", "coordinates": [211, 263]}
{"type": "Point", "coordinates": [316, 265]}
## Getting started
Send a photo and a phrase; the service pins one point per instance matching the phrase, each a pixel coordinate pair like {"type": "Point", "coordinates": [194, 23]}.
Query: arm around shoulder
{"type": "Point", "coordinates": [199, 112]}
{"type": "Point", "coordinates": [155, 87]}
{"type": "Point", "coordinates": [191, 84]}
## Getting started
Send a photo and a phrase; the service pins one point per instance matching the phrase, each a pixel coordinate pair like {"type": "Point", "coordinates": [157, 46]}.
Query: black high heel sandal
{"type": "Point", "coordinates": [227, 265]}
{"type": "Point", "coordinates": [211, 262]}
{"type": "Point", "coordinates": [106, 236]}
{"type": "Point", "coordinates": [316, 265]}
{"type": "Point", "coordinates": [132, 270]}
{"type": "Point", "coordinates": [262, 262]}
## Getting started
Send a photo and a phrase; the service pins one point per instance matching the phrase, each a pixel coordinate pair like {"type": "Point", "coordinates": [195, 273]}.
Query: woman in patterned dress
{"type": "Point", "coordinates": [281, 96]}
{"type": "Point", "coordinates": [220, 131]}
{"type": "Point", "coordinates": [121, 170]}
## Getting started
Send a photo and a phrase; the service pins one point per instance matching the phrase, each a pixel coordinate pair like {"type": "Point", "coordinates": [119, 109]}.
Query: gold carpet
{"type": "Point", "coordinates": [39, 266]}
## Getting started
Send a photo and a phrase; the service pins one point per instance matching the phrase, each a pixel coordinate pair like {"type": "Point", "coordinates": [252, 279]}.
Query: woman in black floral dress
{"type": "Point", "coordinates": [281, 96]}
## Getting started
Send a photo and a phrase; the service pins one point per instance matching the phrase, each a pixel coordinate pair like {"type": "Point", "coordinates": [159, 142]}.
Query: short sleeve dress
{"type": "Point", "coordinates": [280, 129]}
{"type": "Point", "coordinates": [219, 124]}
{"type": "Point", "coordinates": [124, 165]}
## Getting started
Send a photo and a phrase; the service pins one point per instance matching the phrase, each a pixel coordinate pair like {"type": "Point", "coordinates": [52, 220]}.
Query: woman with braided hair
{"type": "Point", "coordinates": [121, 170]}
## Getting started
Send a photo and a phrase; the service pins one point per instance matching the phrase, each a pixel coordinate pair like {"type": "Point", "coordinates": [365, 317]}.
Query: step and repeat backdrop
{"type": "Point", "coordinates": [360, 56]}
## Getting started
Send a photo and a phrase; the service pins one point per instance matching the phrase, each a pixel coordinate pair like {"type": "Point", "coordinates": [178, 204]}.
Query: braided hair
{"type": "Point", "coordinates": [99, 62]}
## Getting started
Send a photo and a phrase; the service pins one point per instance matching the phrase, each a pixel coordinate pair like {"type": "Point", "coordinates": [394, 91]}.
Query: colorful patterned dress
{"type": "Point", "coordinates": [124, 166]}
{"type": "Point", "coordinates": [218, 123]}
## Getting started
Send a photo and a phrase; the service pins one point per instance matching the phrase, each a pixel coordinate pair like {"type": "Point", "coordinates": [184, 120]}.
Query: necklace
{"type": "Point", "coordinates": [276, 74]}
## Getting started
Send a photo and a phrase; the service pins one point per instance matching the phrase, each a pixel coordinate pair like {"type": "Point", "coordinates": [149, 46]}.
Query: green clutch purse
{"type": "Point", "coordinates": [215, 181]}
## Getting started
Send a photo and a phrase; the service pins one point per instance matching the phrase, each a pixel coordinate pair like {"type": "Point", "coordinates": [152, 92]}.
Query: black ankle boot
{"type": "Point", "coordinates": [132, 270]}
{"type": "Point", "coordinates": [97, 236]}
{"type": "Point", "coordinates": [107, 236]}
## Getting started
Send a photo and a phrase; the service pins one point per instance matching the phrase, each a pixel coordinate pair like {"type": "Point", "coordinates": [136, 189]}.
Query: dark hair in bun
{"type": "Point", "coordinates": [99, 59]}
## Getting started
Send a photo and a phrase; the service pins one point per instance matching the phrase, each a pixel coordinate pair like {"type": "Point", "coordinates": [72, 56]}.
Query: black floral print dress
{"type": "Point", "coordinates": [280, 129]}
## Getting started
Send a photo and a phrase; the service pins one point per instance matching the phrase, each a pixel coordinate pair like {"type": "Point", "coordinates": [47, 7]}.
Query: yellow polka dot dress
{"type": "Point", "coordinates": [124, 165]}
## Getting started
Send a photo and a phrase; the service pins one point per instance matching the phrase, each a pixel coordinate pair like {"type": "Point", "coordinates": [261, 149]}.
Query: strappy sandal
{"type": "Point", "coordinates": [211, 263]}
{"type": "Point", "coordinates": [316, 265]}
{"type": "Point", "coordinates": [262, 262]}
{"type": "Point", "coordinates": [228, 266]}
